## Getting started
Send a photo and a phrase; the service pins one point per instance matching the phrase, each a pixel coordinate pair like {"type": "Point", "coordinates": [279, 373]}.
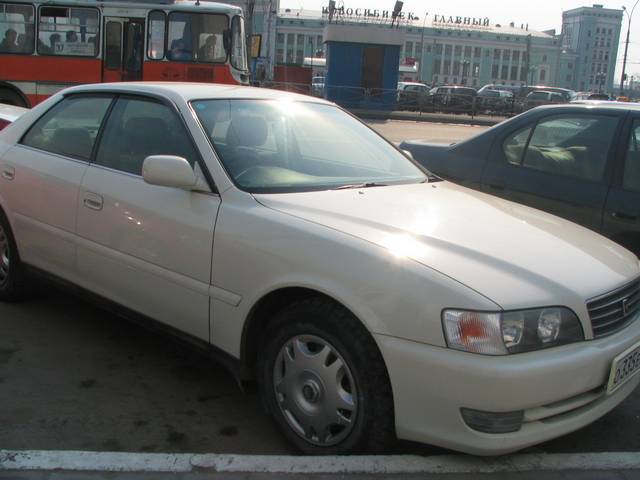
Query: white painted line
{"type": "Point", "coordinates": [182, 463]}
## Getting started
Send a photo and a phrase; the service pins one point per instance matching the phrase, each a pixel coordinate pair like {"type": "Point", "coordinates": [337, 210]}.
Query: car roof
{"type": "Point", "coordinates": [599, 104]}
{"type": "Point", "coordinates": [195, 91]}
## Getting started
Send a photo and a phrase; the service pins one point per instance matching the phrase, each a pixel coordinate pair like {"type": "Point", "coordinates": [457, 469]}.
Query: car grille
{"type": "Point", "coordinates": [615, 310]}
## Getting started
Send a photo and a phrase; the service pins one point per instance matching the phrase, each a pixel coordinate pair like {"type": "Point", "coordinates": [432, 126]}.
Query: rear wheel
{"type": "Point", "coordinates": [14, 284]}
{"type": "Point", "coordinates": [324, 381]}
{"type": "Point", "coordinates": [10, 97]}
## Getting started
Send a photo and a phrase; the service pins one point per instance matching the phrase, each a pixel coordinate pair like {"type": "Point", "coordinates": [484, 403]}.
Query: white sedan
{"type": "Point", "coordinates": [368, 298]}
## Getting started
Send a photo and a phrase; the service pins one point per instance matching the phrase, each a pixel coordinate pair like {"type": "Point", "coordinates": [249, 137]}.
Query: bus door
{"type": "Point", "coordinates": [123, 49]}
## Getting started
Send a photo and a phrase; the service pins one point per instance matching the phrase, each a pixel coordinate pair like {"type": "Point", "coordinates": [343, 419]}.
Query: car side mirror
{"type": "Point", "coordinates": [168, 171]}
{"type": "Point", "coordinates": [408, 154]}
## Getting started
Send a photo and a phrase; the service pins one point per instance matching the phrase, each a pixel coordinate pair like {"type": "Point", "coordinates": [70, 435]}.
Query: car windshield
{"type": "Point", "coordinates": [286, 146]}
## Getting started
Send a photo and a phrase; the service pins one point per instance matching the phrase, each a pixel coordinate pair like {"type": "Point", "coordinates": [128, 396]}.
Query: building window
{"type": "Point", "coordinates": [543, 75]}
{"type": "Point", "coordinates": [437, 64]}
{"type": "Point", "coordinates": [494, 71]}
{"type": "Point", "coordinates": [476, 70]}
{"type": "Point", "coordinates": [477, 52]}
{"type": "Point", "coordinates": [467, 52]}
{"type": "Point", "coordinates": [505, 73]}
{"type": "Point", "coordinates": [514, 73]}
{"type": "Point", "coordinates": [516, 56]}
{"type": "Point", "coordinates": [496, 54]}
{"type": "Point", "coordinates": [544, 58]}
{"type": "Point", "coordinates": [447, 50]}
{"type": "Point", "coordinates": [456, 67]}
{"type": "Point", "coordinates": [458, 50]}
{"type": "Point", "coordinates": [506, 55]}
{"type": "Point", "coordinates": [408, 49]}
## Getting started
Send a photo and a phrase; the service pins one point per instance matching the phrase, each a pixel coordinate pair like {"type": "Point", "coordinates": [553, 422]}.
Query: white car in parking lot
{"type": "Point", "coordinates": [368, 298]}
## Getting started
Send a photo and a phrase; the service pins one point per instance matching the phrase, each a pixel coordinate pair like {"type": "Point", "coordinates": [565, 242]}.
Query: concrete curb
{"type": "Point", "coordinates": [427, 117]}
{"type": "Point", "coordinates": [185, 463]}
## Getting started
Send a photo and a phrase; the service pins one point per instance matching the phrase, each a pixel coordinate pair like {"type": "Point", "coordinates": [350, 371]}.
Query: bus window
{"type": "Point", "coordinates": [155, 41]}
{"type": "Point", "coordinates": [238, 44]}
{"type": "Point", "coordinates": [16, 28]}
{"type": "Point", "coordinates": [68, 31]}
{"type": "Point", "coordinates": [196, 37]}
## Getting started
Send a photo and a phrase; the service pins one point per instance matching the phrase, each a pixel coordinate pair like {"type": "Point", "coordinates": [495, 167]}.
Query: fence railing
{"type": "Point", "coordinates": [394, 100]}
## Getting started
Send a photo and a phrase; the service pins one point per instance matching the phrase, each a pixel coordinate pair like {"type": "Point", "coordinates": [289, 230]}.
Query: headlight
{"type": "Point", "coordinates": [502, 333]}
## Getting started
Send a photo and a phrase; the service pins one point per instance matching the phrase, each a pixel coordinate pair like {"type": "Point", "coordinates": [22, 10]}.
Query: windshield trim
{"type": "Point", "coordinates": [428, 176]}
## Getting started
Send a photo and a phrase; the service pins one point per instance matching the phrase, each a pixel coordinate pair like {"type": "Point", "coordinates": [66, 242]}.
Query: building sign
{"type": "Point", "coordinates": [444, 20]}
{"type": "Point", "coordinates": [369, 14]}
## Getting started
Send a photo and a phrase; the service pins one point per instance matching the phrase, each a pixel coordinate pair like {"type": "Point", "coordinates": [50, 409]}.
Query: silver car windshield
{"type": "Point", "coordinates": [287, 146]}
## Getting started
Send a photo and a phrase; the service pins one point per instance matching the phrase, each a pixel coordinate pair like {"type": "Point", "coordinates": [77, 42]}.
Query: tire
{"type": "Point", "coordinates": [10, 97]}
{"type": "Point", "coordinates": [333, 394]}
{"type": "Point", "coordinates": [14, 282]}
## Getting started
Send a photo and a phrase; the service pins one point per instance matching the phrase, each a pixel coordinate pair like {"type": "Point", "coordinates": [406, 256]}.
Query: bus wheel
{"type": "Point", "coordinates": [12, 98]}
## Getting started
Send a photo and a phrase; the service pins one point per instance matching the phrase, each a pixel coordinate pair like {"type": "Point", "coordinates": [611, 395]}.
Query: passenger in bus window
{"type": "Point", "coordinates": [71, 36]}
{"type": "Point", "coordinates": [54, 41]}
{"type": "Point", "coordinates": [178, 52]}
{"type": "Point", "coordinates": [207, 52]}
{"type": "Point", "coordinates": [8, 44]}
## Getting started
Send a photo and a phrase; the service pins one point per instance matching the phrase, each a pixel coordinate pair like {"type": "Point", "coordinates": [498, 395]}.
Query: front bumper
{"type": "Point", "coordinates": [560, 390]}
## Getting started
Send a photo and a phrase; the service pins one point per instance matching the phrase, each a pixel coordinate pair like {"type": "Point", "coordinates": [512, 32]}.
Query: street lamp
{"type": "Point", "coordinates": [626, 47]}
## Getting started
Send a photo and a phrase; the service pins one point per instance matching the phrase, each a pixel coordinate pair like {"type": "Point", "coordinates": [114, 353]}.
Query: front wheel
{"type": "Point", "coordinates": [324, 381]}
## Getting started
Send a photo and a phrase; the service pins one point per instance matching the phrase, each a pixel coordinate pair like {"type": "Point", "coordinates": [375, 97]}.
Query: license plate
{"type": "Point", "coordinates": [624, 368]}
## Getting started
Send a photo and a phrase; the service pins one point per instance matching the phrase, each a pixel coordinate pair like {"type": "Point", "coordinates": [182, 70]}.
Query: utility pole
{"type": "Point", "coordinates": [626, 46]}
{"type": "Point", "coordinates": [423, 48]}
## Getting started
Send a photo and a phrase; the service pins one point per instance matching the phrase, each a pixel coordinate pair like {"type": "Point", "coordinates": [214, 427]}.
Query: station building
{"type": "Point", "coordinates": [443, 49]}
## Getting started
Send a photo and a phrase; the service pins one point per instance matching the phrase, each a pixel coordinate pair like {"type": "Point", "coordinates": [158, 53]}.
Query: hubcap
{"type": "Point", "coordinates": [315, 390]}
{"type": "Point", "coordinates": [4, 257]}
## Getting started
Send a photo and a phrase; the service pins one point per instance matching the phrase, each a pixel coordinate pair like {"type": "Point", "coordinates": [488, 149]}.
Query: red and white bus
{"type": "Point", "coordinates": [46, 46]}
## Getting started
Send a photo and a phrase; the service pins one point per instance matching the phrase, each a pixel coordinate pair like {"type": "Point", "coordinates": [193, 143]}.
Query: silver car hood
{"type": "Point", "coordinates": [517, 256]}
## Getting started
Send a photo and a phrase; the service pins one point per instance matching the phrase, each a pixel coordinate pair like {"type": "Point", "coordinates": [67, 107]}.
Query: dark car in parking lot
{"type": "Point", "coordinates": [578, 161]}
{"type": "Point", "coordinates": [494, 101]}
{"type": "Point", "coordinates": [451, 99]}
{"type": "Point", "coordinates": [411, 95]}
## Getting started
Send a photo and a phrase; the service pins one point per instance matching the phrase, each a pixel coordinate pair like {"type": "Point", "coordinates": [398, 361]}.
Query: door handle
{"type": "Point", "coordinates": [93, 201]}
{"type": "Point", "coordinates": [8, 173]}
{"type": "Point", "coordinates": [624, 216]}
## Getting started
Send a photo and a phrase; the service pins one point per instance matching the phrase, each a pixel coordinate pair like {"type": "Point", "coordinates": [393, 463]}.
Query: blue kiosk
{"type": "Point", "coordinates": [362, 65]}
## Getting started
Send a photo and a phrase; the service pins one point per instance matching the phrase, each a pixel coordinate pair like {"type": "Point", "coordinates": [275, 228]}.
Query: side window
{"type": "Point", "coordinates": [631, 179]}
{"type": "Point", "coordinates": [515, 144]}
{"type": "Point", "coordinates": [68, 31]}
{"type": "Point", "coordinates": [138, 128]}
{"type": "Point", "coordinates": [155, 40]}
{"type": "Point", "coordinates": [70, 128]}
{"type": "Point", "coordinates": [572, 145]}
{"type": "Point", "coordinates": [16, 28]}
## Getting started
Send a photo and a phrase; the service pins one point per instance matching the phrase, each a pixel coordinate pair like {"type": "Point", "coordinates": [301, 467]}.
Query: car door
{"type": "Point", "coordinates": [143, 246]}
{"type": "Point", "coordinates": [622, 212]}
{"type": "Point", "coordinates": [40, 178]}
{"type": "Point", "coordinates": [560, 164]}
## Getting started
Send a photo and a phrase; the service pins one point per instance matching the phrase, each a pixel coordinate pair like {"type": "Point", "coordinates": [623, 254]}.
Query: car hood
{"type": "Point", "coordinates": [516, 256]}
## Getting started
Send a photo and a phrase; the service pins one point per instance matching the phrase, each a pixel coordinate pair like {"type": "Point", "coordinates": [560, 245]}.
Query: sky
{"type": "Point", "coordinates": [540, 15]}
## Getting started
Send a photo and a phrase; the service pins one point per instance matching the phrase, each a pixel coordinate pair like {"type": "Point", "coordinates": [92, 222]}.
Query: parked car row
{"type": "Point", "coordinates": [490, 99]}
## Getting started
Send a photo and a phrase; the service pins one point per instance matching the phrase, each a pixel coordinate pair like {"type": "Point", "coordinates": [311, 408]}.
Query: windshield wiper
{"type": "Point", "coordinates": [361, 185]}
